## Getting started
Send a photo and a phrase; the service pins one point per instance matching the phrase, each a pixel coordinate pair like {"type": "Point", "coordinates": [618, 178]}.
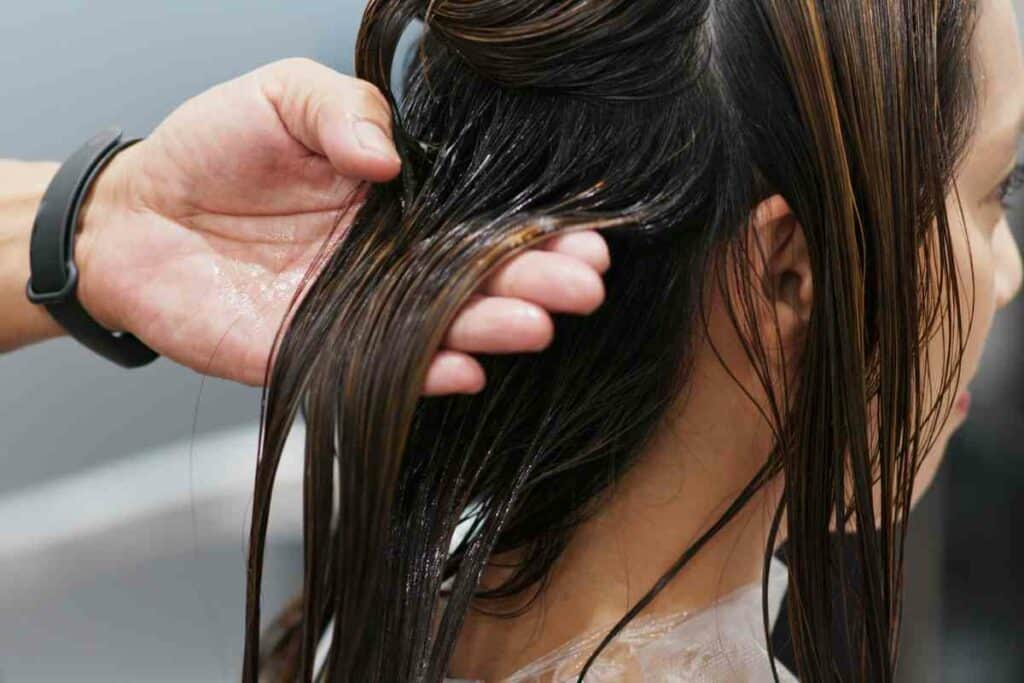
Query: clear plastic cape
{"type": "Point", "coordinates": [723, 643]}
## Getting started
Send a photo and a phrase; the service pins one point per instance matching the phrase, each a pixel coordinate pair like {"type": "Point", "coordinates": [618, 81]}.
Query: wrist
{"type": "Point", "coordinates": [57, 281]}
{"type": "Point", "coordinates": [104, 209]}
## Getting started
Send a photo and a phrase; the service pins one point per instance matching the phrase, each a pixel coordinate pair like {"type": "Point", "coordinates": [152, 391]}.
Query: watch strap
{"type": "Point", "coordinates": [54, 277]}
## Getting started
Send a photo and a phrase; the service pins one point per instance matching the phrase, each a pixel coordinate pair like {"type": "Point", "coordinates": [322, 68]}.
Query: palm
{"type": "Point", "coordinates": [208, 270]}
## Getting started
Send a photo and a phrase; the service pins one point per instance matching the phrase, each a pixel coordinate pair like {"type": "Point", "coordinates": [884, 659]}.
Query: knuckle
{"type": "Point", "coordinates": [277, 77]}
{"type": "Point", "coordinates": [294, 63]}
{"type": "Point", "coordinates": [371, 100]}
{"type": "Point", "coordinates": [291, 70]}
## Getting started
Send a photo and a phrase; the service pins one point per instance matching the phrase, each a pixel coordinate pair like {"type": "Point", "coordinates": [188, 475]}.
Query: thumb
{"type": "Point", "coordinates": [340, 117]}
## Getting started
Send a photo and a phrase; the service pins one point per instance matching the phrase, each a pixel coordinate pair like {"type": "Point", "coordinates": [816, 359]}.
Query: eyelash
{"type": "Point", "coordinates": [1009, 187]}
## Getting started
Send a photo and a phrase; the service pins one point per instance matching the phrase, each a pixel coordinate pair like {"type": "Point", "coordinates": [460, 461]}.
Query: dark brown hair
{"type": "Point", "coordinates": [662, 124]}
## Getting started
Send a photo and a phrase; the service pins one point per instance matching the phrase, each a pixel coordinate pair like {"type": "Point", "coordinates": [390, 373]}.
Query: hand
{"type": "Point", "coordinates": [195, 239]}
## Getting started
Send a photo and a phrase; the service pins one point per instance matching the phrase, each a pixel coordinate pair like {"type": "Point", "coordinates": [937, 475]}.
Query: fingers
{"type": "Point", "coordinates": [513, 319]}
{"type": "Point", "coordinates": [511, 314]}
{"type": "Point", "coordinates": [586, 245]}
{"type": "Point", "coordinates": [553, 280]}
{"type": "Point", "coordinates": [343, 118]}
{"type": "Point", "coordinates": [485, 325]}
{"type": "Point", "coordinates": [494, 324]}
{"type": "Point", "coordinates": [452, 372]}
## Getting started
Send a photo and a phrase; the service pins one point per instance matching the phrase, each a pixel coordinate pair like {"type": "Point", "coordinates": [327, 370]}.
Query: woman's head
{"type": "Point", "coordinates": [774, 168]}
{"type": "Point", "coordinates": [983, 249]}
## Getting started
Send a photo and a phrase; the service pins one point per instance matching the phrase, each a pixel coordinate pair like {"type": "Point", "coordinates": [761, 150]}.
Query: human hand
{"type": "Point", "coordinates": [195, 239]}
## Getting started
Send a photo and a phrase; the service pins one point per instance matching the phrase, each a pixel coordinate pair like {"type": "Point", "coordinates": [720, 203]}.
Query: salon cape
{"type": "Point", "coordinates": [723, 643]}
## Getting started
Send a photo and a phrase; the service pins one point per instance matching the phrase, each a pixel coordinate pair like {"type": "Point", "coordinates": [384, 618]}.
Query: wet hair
{"type": "Point", "coordinates": [661, 124]}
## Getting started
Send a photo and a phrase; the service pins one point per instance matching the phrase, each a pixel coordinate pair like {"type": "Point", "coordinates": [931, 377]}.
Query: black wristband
{"type": "Point", "coordinates": [54, 277]}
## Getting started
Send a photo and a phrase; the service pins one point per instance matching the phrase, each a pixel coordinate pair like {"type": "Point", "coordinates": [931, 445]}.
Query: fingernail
{"type": "Point", "coordinates": [373, 139]}
{"type": "Point", "coordinates": [528, 312]}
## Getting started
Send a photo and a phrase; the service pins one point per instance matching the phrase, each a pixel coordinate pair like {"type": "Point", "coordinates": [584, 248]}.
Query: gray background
{"type": "Point", "coordinates": [70, 68]}
{"type": "Point", "coordinates": [168, 606]}
{"type": "Point", "coordinates": [160, 598]}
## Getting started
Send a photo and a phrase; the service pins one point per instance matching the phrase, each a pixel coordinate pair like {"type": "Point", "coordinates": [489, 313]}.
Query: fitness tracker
{"type": "Point", "coordinates": [54, 277]}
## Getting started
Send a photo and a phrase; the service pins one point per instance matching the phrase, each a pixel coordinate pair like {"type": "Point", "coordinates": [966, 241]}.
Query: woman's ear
{"type": "Point", "coordinates": [784, 266]}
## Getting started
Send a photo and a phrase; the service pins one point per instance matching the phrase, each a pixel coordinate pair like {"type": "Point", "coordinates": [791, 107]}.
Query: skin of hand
{"type": "Point", "coordinates": [195, 239]}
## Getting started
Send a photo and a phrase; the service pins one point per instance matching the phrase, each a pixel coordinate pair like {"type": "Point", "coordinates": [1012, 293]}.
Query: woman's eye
{"type": "Point", "coordinates": [1010, 185]}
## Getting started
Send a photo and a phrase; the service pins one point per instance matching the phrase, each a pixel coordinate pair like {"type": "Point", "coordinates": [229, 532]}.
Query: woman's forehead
{"type": "Point", "coordinates": [1000, 66]}
{"type": "Point", "coordinates": [1000, 70]}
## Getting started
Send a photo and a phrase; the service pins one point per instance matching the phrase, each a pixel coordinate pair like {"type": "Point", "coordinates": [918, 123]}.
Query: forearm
{"type": "Point", "coordinates": [21, 188]}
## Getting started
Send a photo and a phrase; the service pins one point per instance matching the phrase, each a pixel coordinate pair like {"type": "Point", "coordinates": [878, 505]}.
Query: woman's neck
{"type": "Point", "coordinates": [656, 511]}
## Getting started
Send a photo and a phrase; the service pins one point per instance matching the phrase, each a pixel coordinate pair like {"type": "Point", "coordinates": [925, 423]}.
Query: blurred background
{"type": "Point", "coordinates": [124, 495]}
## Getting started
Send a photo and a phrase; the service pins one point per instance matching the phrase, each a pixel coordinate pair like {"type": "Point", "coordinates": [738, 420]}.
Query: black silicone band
{"type": "Point", "coordinates": [54, 276]}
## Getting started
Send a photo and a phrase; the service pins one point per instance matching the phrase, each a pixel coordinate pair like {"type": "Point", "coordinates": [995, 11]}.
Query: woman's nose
{"type": "Point", "coordinates": [1008, 265]}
